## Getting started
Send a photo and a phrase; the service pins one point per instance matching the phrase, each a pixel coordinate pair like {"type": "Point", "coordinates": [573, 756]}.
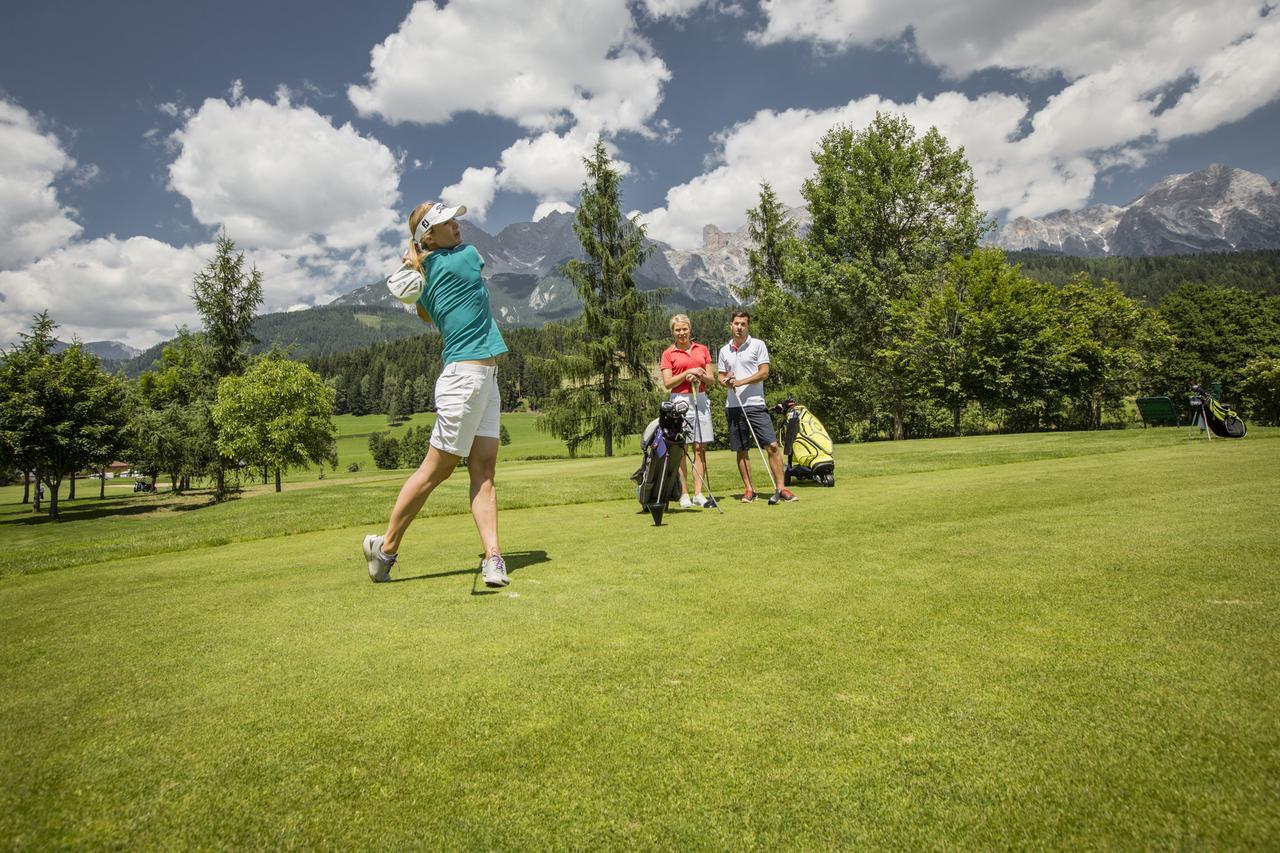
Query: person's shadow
{"type": "Point", "coordinates": [516, 560]}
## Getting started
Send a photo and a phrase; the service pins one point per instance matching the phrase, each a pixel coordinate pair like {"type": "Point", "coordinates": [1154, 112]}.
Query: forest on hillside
{"type": "Point", "coordinates": [1149, 279]}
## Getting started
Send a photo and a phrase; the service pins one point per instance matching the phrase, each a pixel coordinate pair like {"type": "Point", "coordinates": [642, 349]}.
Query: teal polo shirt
{"type": "Point", "coordinates": [457, 300]}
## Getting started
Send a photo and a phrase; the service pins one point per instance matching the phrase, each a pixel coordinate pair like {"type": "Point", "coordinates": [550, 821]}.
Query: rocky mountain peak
{"type": "Point", "coordinates": [1216, 209]}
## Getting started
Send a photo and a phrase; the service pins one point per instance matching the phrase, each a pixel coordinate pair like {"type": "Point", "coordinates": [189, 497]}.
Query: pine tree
{"type": "Point", "coordinates": [602, 385]}
{"type": "Point", "coordinates": [226, 298]}
{"type": "Point", "coordinates": [773, 232]}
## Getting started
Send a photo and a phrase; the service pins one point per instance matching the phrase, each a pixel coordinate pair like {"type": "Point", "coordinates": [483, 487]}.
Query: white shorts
{"type": "Point", "coordinates": [467, 406]}
{"type": "Point", "coordinates": [701, 431]}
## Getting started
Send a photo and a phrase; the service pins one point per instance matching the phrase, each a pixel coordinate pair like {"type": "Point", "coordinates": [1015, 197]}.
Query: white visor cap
{"type": "Point", "coordinates": [436, 214]}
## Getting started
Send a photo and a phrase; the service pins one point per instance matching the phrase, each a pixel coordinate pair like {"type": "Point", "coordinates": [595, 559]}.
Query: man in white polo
{"type": "Point", "coordinates": [743, 366]}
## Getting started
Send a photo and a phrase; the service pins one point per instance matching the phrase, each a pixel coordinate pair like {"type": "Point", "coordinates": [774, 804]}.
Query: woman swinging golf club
{"type": "Point", "coordinates": [743, 367]}
{"type": "Point", "coordinates": [686, 370]}
{"type": "Point", "coordinates": [441, 277]}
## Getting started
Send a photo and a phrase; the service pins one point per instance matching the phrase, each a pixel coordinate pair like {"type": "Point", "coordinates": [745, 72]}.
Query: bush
{"type": "Point", "coordinates": [385, 450]}
{"type": "Point", "coordinates": [1260, 391]}
{"type": "Point", "coordinates": [353, 467]}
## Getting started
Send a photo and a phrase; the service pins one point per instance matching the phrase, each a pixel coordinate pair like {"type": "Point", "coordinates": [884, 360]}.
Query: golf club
{"type": "Point", "coordinates": [697, 429]}
{"type": "Point", "coordinates": [763, 460]}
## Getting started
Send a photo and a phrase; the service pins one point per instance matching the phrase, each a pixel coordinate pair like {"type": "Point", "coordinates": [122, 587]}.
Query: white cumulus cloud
{"type": "Point", "coordinates": [546, 208]}
{"type": "Point", "coordinates": [542, 65]}
{"type": "Point", "coordinates": [1126, 67]}
{"type": "Point", "coordinates": [475, 189]}
{"type": "Point", "coordinates": [32, 220]}
{"type": "Point", "coordinates": [776, 146]}
{"type": "Point", "coordinates": [136, 290]}
{"type": "Point", "coordinates": [280, 177]}
{"type": "Point", "coordinates": [548, 166]}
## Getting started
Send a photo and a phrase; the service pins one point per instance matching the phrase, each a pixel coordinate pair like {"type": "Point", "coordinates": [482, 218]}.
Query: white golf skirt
{"type": "Point", "coordinates": [697, 424]}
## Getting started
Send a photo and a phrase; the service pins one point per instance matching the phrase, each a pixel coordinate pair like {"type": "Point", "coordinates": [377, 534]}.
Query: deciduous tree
{"type": "Point", "coordinates": [279, 414]}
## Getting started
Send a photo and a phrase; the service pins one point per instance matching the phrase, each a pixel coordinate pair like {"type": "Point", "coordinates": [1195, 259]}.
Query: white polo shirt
{"type": "Point", "coordinates": [741, 363]}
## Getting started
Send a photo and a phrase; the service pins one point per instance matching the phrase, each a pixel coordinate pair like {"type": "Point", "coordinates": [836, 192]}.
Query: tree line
{"type": "Point", "coordinates": [887, 318]}
{"type": "Point", "coordinates": [1149, 279]}
{"type": "Point", "coordinates": [208, 410]}
{"type": "Point", "coordinates": [890, 320]}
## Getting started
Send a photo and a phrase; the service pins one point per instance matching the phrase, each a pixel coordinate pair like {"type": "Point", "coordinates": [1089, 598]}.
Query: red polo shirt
{"type": "Point", "coordinates": [678, 361]}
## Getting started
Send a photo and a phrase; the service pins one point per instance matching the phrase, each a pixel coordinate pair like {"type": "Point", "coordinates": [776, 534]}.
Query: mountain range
{"type": "Point", "coordinates": [105, 350]}
{"type": "Point", "coordinates": [1217, 209]}
{"type": "Point", "coordinates": [523, 269]}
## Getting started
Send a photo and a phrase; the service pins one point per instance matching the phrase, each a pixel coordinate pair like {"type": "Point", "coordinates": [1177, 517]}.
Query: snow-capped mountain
{"type": "Point", "coordinates": [1217, 209]}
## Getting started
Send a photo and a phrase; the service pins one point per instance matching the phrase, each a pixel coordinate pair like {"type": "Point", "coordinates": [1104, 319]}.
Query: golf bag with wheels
{"type": "Point", "coordinates": [1221, 419]}
{"type": "Point", "coordinates": [658, 477]}
{"type": "Point", "coordinates": [807, 445]}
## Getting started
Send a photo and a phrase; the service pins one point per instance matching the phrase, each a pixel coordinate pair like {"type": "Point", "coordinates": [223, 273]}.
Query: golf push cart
{"type": "Point", "coordinates": [806, 443]}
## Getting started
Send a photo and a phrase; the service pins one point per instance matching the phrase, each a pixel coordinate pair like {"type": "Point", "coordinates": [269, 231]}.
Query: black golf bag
{"type": "Point", "coordinates": [658, 477]}
{"type": "Point", "coordinates": [806, 443]}
{"type": "Point", "coordinates": [1220, 418]}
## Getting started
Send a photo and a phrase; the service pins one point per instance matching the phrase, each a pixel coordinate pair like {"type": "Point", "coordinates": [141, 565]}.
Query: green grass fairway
{"type": "Point", "coordinates": [1067, 641]}
{"type": "Point", "coordinates": [527, 442]}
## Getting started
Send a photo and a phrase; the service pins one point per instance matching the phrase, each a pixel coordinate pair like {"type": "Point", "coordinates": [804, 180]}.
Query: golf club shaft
{"type": "Point", "coordinates": [756, 441]}
{"type": "Point", "coordinates": [697, 429]}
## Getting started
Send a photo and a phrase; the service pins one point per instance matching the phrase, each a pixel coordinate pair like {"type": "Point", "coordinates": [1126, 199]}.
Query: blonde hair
{"type": "Point", "coordinates": [680, 318]}
{"type": "Point", "coordinates": [416, 216]}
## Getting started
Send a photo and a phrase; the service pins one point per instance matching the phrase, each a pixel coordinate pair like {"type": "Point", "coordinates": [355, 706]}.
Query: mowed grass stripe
{"type": "Point", "coordinates": [1070, 652]}
{"type": "Point", "coordinates": [138, 525]}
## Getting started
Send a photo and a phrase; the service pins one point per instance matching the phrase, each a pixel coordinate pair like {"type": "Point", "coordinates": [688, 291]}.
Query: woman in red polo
{"type": "Point", "coordinates": [686, 373]}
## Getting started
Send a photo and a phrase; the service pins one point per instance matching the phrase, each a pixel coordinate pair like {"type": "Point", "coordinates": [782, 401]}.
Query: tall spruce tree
{"type": "Point", "coordinates": [226, 298]}
{"type": "Point", "coordinates": [602, 386]}
{"type": "Point", "coordinates": [773, 232]}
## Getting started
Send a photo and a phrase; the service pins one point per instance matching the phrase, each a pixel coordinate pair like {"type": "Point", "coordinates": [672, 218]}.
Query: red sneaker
{"type": "Point", "coordinates": [748, 497]}
{"type": "Point", "coordinates": [782, 495]}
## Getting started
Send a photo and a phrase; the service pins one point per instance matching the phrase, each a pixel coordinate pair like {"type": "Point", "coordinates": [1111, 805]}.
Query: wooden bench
{"type": "Point", "coordinates": [1157, 411]}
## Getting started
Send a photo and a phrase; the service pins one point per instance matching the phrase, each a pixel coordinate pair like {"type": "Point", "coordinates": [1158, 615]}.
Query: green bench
{"type": "Point", "coordinates": [1157, 411]}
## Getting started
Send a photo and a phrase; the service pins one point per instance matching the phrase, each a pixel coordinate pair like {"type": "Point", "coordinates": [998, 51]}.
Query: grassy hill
{"type": "Point", "coordinates": [1058, 640]}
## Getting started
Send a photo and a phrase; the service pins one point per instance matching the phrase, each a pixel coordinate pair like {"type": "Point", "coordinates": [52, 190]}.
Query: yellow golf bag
{"type": "Point", "coordinates": [807, 445]}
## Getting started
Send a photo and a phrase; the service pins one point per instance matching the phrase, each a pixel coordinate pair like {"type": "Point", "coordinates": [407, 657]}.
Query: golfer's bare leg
{"type": "Point", "coordinates": [744, 468]}
{"type": "Point", "coordinates": [775, 463]}
{"type": "Point", "coordinates": [684, 475]}
{"type": "Point", "coordinates": [482, 465]}
{"type": "Point", "coordinates": [433, 471]}
{"type": "Point", "coordinates": [699, 468]}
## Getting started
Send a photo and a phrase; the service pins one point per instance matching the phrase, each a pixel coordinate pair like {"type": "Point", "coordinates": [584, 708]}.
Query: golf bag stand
{"type": "Point", "coordinates": [658, 478]}
{"type": "Point", "coordinates": [1218, 418]}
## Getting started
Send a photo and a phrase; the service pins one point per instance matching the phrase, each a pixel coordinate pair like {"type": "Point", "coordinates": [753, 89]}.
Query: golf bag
{"type": "Point", "coordinates": [1221, 419]}
{"type": "Point", "coordinates": [806, 444]}
{"type": "Point", "coordinates": [658, 477]}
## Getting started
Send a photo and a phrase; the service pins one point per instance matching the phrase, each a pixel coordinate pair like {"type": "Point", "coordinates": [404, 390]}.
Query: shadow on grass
{"type": "Point", "coordinates": [68, 511]}
{"type": "Point", "coordinates": [87, 508]}
{"type": "Point", "coordinates": [515, 560]}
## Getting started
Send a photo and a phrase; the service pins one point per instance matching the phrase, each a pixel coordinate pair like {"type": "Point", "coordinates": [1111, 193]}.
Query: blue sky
{"type": "Point", "coordinates": [131, 132]}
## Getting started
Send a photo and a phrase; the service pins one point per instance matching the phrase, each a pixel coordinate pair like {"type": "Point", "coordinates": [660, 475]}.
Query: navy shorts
{"type": "Point", "coordinates": [740, 434]}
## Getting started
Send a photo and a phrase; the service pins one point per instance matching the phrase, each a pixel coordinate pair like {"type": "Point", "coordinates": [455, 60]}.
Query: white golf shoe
{"type": "Point", "coordinates": [379, 563]}
{"type": "Point", "coordinates": [494, 571]}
